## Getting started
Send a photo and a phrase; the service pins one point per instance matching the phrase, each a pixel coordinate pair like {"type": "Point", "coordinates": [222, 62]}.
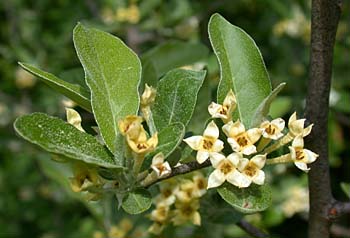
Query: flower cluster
{"type": "Point", "coordinates": [178, 202]}
{"type": "Point", "coordinates": [250, 148]}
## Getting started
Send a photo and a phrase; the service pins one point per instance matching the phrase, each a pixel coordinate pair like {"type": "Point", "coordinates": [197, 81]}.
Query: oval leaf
{"type": "Point", "coordinates": [112, 72]}
{"type": "Point", "coordinates": [59, 137]}
{"type": "Point", "coordinates": [74, 92]}
{"type": "Point", "coordinates": [241, 66]}
{"type": "Point", "coordinates": [253, 199]}
{"type": "Point", "coordinates": [137, 201]}
{"type": "Point", "coordinates": [264, 107]}
{"type": "Point", "coordinates": [176, 97]}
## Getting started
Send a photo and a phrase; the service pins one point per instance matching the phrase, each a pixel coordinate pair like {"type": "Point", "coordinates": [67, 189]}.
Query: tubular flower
{"type": "Point", "coordinates": [148, 96]}
{"type": "Point", "coordinates": [225, 110]}
{"type": "Point", "coordinates": [160, 167]}
{"type": "Point", "coordinates": [296, 127]}
{"type": "Point", "coordinates": [240, 139]}
{"type": "Point", "coordinates": [251, 169]}
{"type": "Point", "coordinates": [301, 156]}
{"type": "Point", "coordinates": [206, 144]}
{"type": "Point", "coordinates": [131, 126]}
{"type": "Point", "coordinates": [225, 170]}
{"type": "Point", "coordinates": [185, 212]}
{"type": "Point", "coordinates": [142, 145]}
{"type": "Point", "coordinates": [273, 129]}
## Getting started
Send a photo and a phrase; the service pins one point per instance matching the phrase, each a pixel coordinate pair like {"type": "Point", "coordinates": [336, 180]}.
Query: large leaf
{"type": "Point", "coordinates": [137, 201]}
{"type": "Point", "coordinates": [112, 72]}
{"type": "Point", "coordinates": [264, 107]}
{"type": "Point", "coordinates": [59, 137]}
{"type": "Point", "coordinates": [253, 199]}
{"type": "Point", "coordinates": [75, 92]}
{"type": "Point", "coordinates": [176, 97]}
{"type": "Point", "coordinates": [170, 55]}
{"type": "Point", "coordinates": [241, 66]}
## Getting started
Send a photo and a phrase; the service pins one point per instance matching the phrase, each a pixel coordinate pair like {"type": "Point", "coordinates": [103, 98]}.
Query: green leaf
{"type": "Point", "coordinates": [59, 137]}
{"type": "Point", "coordinates": [346, 188]}
{"type": "Point", "coordinates": [253, 199]}
{"type": "Point", "coordinates": [176, 97]}
{"type": "Point", "coordinates": [170, 55]}
{"type": "Point", "coordinates": [112, 72]}
{"type": "Point", "coordinates": [264, 107]}
{"type": "Point", "coordinates": [137, 201]}
{"type": "Point", "coordinates": [280, 106]}
{"type": "Point", "coordinates": [75, 92]}
{"type": "Point", "coordinates": [241, 66]}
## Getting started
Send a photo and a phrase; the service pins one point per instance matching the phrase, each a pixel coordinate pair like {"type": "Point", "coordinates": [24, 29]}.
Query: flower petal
{"type": "Point", "coordinates": [234, 158]}
{"type": "Point", "coordinates": [212, 131]}
{"type": "Point", "coordinates": [214, 110]}
{"type": "Point", "coordinates": [309, 156]}
{"type": "Point", "coordinates": [216, 178]}
{"type": "Point", "coordinates": [248, 150]}
{"type": "Point", "coordinates": [227, 127]}
{"type": "Point", "coordinates": [243, 162]}
{"type": "Point", "coordinates": [259, 160]}
{"type": "Point", "coordinates": [230, 100]}
{"type": "Point", "coordinates": [158, 159]}
{"type": "Point", "coordinates": [216, 158]}
{"type": "Point", "coordinates": [218, 146]}
{"type": "Point", "coordinates": [254, 134]}
{"type": "Point", "coordinates": [259, 178]}
{"type": "Point", "coordinates": [278, 123]}
{"type": "Point", "coordinates": [202, 156]}
{"type": "Point", "coordinates": [298, 142]}
{"type": "Point", "coordinates": [238, 179]}
{"type": "Point", "coordinates": [302, 166]}
{"type": "Point", "coordinates": [194, 142]}
{"type": "Point", "coordinates": [234, 145]}
{"type": "Point", "coordinates": [307, 130]}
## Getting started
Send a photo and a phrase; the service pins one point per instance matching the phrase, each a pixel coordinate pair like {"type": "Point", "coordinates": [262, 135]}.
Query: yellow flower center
{"type": "Point", "coordinates": [226, 167]}
{"type": "Point", "coordinates": [187, 210]}
{"type": "Point", "coordinates": [250, 170]}
{"type": "Point", "coordinates": [299, 154]}
{"type": "Point", "coordinates": [270, 129]}
{"type": "Point", "coordinates": [207, 144]}
{"type": "Point", "coordinates": [141, 146]}
{"type": "Point", "coordinates": [167, 193]}
{"type": "Point", "coordinates": [223, 110]}
{"type": "Point", "coordinates": [201, 184]}
{"type": "Point", "coordinates": [242, 140]}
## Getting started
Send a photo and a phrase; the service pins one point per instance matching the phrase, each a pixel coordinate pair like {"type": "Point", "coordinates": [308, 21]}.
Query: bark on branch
{"type": "Point", "coordinates": [324, 22]}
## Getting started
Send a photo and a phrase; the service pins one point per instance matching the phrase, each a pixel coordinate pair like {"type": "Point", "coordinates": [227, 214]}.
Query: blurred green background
{"type": "Point", "coordinates": [35, 197]}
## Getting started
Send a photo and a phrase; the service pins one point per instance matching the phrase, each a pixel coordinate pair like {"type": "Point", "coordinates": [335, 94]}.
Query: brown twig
{"type": "Point", "coordinates": [339, 209]}
{"type": "Point", "coordinates": [324, 22]}
{"type": "Point", "coordinates": [251, 230]}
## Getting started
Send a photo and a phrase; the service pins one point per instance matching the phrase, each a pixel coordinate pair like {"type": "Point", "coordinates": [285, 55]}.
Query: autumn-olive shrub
{"type": "Point", "coordinates": [137, 133]}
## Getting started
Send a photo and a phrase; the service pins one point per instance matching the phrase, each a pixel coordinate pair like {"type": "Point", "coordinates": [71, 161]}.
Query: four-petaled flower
{"type": "Point", "coordinates": [225, 110]}
{"type": "Point", "coordinates": [160, 167]}
{"type": "Point", "coordinates": [240, 139]}
{"type": "Point", "coordinates": [273, 129]}
{"type": "Point", "coordinates": [301, 156]}
{"type": "Point", "coordinates": [296, 127]}
{"type": "Point", "coordinates": [142, 145]}
{"type": "Point", "coordinates": [225, 170]}
{"type": "Point", "coordinates": [206, 144]}
{"type": "Point", "coordinates": [252, 170]}
{"type": "Point", "coordinates": [185, 212]}
{"type": "Point", "coordinates": [131, 126]}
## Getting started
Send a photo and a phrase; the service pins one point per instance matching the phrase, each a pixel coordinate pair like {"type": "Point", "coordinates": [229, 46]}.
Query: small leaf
{"type": "Point", "coordinates": [56, 136]}
{"type": "Point", "coordinates": [75, 92]}
{"type": "Point", "coordinates": [112, 72]}
{"type": "Point", "coordinates": [263, 110]}
{"type": "Point", "coordinates": [171, 55]}
{"type": "Point", "coordinates": [241, 66]}
{"type": "Point", "coordinates": [253, 199]}
{"type": "Point", "coordinates": [176, 97]}
{"type": "Point", "coordinates": [137, 201]}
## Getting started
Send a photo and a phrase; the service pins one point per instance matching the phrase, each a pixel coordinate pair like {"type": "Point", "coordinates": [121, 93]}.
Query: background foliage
{"type": "Point", "coordinates": [36, 200]}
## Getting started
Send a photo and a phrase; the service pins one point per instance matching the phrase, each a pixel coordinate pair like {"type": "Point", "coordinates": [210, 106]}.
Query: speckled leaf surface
{"type": "Point", "coordinates": [263, 110]}
{"type": "Point", "coordinates": [253, 199]}
{"type": "Point", "coordinates": [112, 72]}
{"type": "Point", "coordinates": [75, 92]}
{"type": "Point", "coordinates": [176, 97]}
{"type": "Point", "coordinates": [137, 201]}
{"type": "Point", "coordinates": [241, 66]}
{"type": "Point", "coordinates": [57, 136]}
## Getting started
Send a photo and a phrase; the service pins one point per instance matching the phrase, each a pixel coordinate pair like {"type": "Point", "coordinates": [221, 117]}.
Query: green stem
{"type": "Point", "coordinates": [263, 143]}
{"type": "Point", "coordinates": [147, 114]}
{"type": "Point", "coordinates": [285, 140]}
{"type": "Point", "coordinates": [280, 160]}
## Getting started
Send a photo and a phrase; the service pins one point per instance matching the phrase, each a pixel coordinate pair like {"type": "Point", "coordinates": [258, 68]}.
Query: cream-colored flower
{"type": "Point", "coordinates": [84, 177]}
{"type": "Point", "coordinates": [148, 96]}
{"type": "Point", "coordinates": [225, 170]}
{"type": "Point", "coordinates": [301, 156]}
{"type": "Point", "coordinates": [251, 169]}
{"type": "Point", "coordinates": [296, 127]}
{"type": "Point", "coordinates": [74, 118]}
{"type": "Point", "coordinates": [225, 110]}
{"type": "Point", "coordinates": [160, 214]}
{"type": "Point", "coordinates": [131, 126]}
{"type": "Point", "coordinates": [240, 139]}
{"type": "Point", "coordinates": [200, 184]}
{"type": "Point", "coordinates": [206, 144]}
{"type": "Point", "coordinates": [273, 129]}
{"type": "Point", "coordinates": [185, 212]}
{"type": "Point", "coordinates": [142, 145]}
{"type": "Point", "coordinates": [168, 189]}
{"type": "Point", "coordinates": [160, 167]}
